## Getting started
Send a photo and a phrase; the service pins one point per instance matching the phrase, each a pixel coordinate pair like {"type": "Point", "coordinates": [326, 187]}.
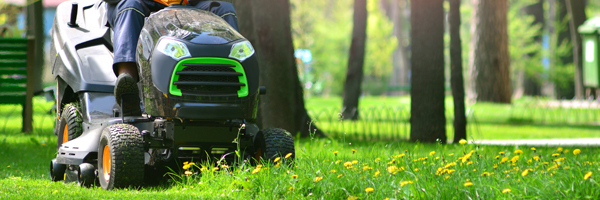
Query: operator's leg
{"type": "Point", "coordinates": [223, 9]}
{"type": "Point", "coordinates": [127, 19]}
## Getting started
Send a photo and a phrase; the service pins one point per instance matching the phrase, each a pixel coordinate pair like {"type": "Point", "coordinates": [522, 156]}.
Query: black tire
{"type": "Point", "coordinates": [121, 148]}
{"type": "Point", "coordinates": [87, 175]}
{"type": "Point", "coordinates": [272, 143]}
{"type": "Point", "coordinates": [70, 124]}
{"type": "Point", "coordinates": [57, 171]}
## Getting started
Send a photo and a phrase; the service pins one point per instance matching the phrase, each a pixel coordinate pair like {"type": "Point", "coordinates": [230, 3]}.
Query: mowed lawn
{"type": "Point", "coordinates": [335, 168]}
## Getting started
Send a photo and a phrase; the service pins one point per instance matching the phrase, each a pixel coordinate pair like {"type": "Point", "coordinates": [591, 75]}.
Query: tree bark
{"type": "Point", "coordinates": [266, 24]}
{"type": "Point", "coordinates": [561, 28]}
{"type": "Point", "coordinates": [456, 74]}
{"type": "Point", "coordinates": [576, 10]}
{"type": "Point", "coordinates": [428, 122]}
{"type": "Point", "coordinates": [490, 52]}
{"type": "Point", "coordinates": [356, 59]}
{"type": "Point", "coordinates": [401, 66]}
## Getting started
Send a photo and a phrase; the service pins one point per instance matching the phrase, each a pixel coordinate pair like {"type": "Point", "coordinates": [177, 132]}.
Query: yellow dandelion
{"type": "Point", "coordinates": [536, 158]}
{"type": "Point", "coordinates": [347, 164]}
{"type": "Point", "coordinates": [403, 183]}
{"type": "Point", "coordinates": [340, 175]}
{"type": "Point", "coordinates": [506, 190]}
{"type": "Point", "coordinates": [555, 155]}
{"type": "Point", "coordinates": [504, 159]}
{"type": "Point", "coordinates": [291, 188]}
{"type": "Point", "coordinates": [587, 176]}
{"type": "Point", "coordinates": [462, 141]}
{"type": "Point", "coordinates": [525, 172]}
{"type": "Point", "coordinates": [376, 173]}
{"type": "Point", "coordinates": [470, 162]}
{"type": "Point", "coordinates": [288, 155]}
{"type": "Point", "coordinates": [277, 159]}
{"type": "Point", "coordinates": [514, 159]}
{"type": "Point", "coordinates": [559, 149]}
{"type": "Point", "coordinates": [468, 184]}
{"type": "Point", "coordinates": [501, 153]}
{"type": "Point", "coordinates": [377, 159]}
{"type": "Point", "coordinates": [186, 166]}
{"type": "Point", "coordinates": [369, 190]}
{"type": "Point", "coordinates": [225, 166]}
{"type": "Point", "coordinates": [392, 169]}
{"type": "Point", "coordinates": [318, 178]}
{"type": "Point", "coordinates": [335, 153]}
{"type": "Point", "coordinates": [256, 170]}
{"type": "Point", "coordinates": [485, 174]}
{"type": "Point", "coordinates": [576, 151]}
{"type": "Point", "coordinates": [188, 173]}
{"type": "Point", "coordinates": [432, 153]}
{"type": "Point", "coordinates": [338, 161]}
{"type": "Point", "coordinates": [518, 151]}
{"type": "Point", "coordinates": [446, 177]}
{"type": "Point", "coordinates": [352, 198]}
{"type": "Point", "coordinates": [353, 151]}
{"type": "Point", "coordinates": [365, 168]}
{"type": "Point", "coordinates": [533, 149]}
{"type": "Point", "coordinates": [354, 161]}
{"type": "Point", "coordinates": [332, 171]}
{"type": "Point", "coordinates": [185, 163]}
{"type": "Point", "coordinates": [497, 157]}
{"type": "Point", "coordinates": [295, 176]}
{"type": "Point", "coordinates": [566, 151]}
{"type": "Point", "coordinates": [215, 168]}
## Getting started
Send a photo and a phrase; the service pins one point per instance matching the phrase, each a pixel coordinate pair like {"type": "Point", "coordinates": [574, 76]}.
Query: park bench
{"type": "Point", "coordinates": [16, 66]}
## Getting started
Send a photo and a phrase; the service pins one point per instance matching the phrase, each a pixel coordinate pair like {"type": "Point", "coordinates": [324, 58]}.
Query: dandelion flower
{"type": "Point", "coordinates": [403, 183]}
{"type": "Point", "coordinates": [468, 184]}
{"type": "Point", "coordinates": [347, 164]}
{"type": "Point", "coordinates": [340, 175]}
{"type": "Point", "coordinates": [186, 166]}
{"type": "Point", "coordinates": [318, 178]}
{"type": "Point", "coordinates": [353, 151]}
{"type": "Point", "coordinates": [566, 151]}
{"type": "Point", "coordinates": [536, 158]}
{"type": "Point", "coordinates": [377, 159]}
{"type": "Point", "coordinates": [215, 168]}
{"type": "Point", "coordinates": [354, 161]}
{"type": "Point", "coordinates": [518, 151]}
{"type": "Point", "coordinates": [462, 141]}
{"type": "Point", "coordinates": [485, 174]}
{"type": "Point", "coordinates": [295, 176]}
{"type": "Point", "coordinates": [335, 153]}
{"type": "Point", "coordinates": [288, 155]}
{"type": "Point", "coordinates": [514, 159]}
{"type": "Point", "coordinates": [559, 149]}
{"type": "Point", "coordinates": [506, 190]}
{"type": "Point", "coordinates": [277, 159]}
{"type": "Point", "coordinates": [352, 198]}
{"type": "Point", "coordinates": [533, 149]}
{"type": "Point", "coordinates": [256, 170]}
{"type": "Point", "coordinates": [501, 153]}
{"type": "Point", "coordinates": [376, 173]}
{"type": "Point", "coordinates": [369, 190]}
{"type": "Point", "coordinates": [555, 155]}
{"type": "Point", "coordinates": [587, 176]}
{"type": "Point", "coordinates": [432, 153]}
{"type": "Point", "coordinates": [365, 168]}
{"type": "Point", "coordinates": [332, 171]}
{"type": "Point", "coordinates": [291, 188]}
{"type": "Point", "coordinates": [504, 159]}
{"type": "Point", "coordinates": [525, 172]}
{"type": "Point", "coordinates": [188, 173]}
{"type": "Point", "coordinates": [576, 151]}
{"type": "Point", "coordinates": [392, 169]}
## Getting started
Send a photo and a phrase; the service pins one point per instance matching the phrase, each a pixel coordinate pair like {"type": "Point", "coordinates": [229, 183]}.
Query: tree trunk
{"type": "Point", "coordinates": [401, 67]}
{"type": "Point", "coordinates": [531, 85]}
{"type": "Point", "coordinates": [356, 60]}
{"type": "Point", "coordinates": [35, 28]}
{"type": "Point", "coordinates": [576, 10]}
{"type": "Point", "coordinates": [456, 74]}
{"type": "Point", "coordinates": [561, 28]}
{"type": "Point", "coordinates": [428, 122]}
{"type": "Point", "coordinates": [269, 32]}
{"type": "Point", "coordinates": [490, 52]}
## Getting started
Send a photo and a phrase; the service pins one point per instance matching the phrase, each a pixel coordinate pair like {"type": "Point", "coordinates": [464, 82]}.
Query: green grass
{"type": "Point", "coordinates": [524, 119]}
{"type": "Point", "coordinates": [24, 166]}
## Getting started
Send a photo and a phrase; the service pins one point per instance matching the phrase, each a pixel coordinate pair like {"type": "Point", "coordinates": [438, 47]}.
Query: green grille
{"type": "Point", "coordinates": [209, 76]}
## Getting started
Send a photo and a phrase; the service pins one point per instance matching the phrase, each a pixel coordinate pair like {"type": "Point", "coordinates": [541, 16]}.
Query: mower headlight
{"type": "Point", "coordinates": [173, 48]}
{"type": "Point", "coordinates": [241, 51]}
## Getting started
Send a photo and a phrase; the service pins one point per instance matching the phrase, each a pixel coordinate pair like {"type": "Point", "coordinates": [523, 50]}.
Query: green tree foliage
{"type": "Point", "coordinates": [525, 52]}
{"type": "Point", "coordinates": [325, 28]}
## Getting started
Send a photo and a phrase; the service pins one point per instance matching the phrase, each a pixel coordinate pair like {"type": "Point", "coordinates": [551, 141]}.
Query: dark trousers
{"type": "Point", "coordinates": [127, 19]}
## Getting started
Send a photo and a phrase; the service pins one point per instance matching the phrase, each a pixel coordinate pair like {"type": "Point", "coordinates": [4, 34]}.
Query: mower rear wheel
{"type": "Point", "coordinates": [120, 157]}
{"type": "Point", "coordinates": [272, 143]}
{"type": "Point", "coordinates": [70, 124]}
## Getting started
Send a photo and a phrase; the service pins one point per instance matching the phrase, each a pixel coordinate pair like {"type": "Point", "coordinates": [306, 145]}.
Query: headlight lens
{"type": "Point", "coordinates": [173, 48]}
{"type": "Point", "coordinates": [241, 51]}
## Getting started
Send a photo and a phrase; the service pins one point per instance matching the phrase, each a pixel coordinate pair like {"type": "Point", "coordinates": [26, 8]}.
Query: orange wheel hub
{"type": "Point", "coordinates": [106, 162]}
{"type": "Point", "coordinates": [65, 138]}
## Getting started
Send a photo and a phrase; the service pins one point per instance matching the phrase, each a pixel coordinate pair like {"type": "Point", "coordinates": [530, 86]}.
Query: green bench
{"type": "Point", "coordinates": [16, 65]}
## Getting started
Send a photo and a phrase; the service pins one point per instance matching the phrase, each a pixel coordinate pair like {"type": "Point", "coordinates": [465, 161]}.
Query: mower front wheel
{"type": "Point", "coordinates": [120, 157]}
{"type": "Point", "coordinates": [69, 124]}
{"type": "Point", "coordinates": [272, 143]}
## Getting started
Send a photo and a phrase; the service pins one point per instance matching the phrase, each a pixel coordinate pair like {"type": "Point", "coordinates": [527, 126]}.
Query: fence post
{"type": "Point", "coordinates": [28, 105]}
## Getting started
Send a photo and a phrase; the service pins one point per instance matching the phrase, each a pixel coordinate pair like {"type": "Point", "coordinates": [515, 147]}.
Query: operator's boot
{"type": "Point", "coordinates": [127, 95]}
